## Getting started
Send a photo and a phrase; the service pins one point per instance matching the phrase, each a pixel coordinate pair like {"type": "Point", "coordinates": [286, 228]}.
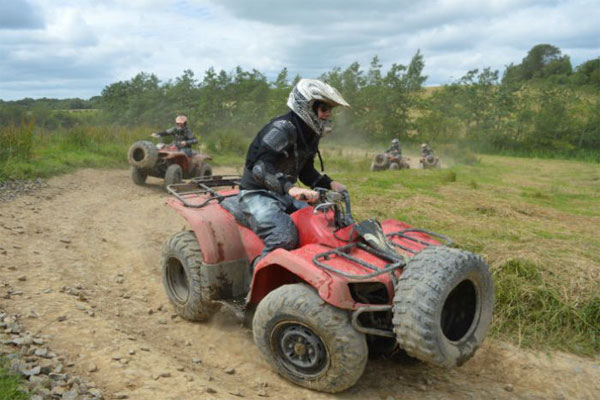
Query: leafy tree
{"type": "Point", "coordinates": [588, 73]}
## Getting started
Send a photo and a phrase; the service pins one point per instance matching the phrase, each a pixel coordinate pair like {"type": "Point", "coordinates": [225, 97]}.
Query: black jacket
{"type": "Point", "coordinates": [180, 135]}
{"type": "Point", "coordinates": [281, 153]}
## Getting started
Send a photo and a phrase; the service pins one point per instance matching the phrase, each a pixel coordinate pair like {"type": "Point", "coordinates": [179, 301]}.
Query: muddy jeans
{"type": "Point", "coordinates": [267, 213]}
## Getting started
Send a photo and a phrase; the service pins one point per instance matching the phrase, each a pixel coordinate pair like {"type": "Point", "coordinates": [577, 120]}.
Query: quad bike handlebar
{"type": "Point", "coordinates": [339, 202]}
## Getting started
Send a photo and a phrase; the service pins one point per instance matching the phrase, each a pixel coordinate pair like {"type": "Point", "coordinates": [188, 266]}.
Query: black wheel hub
{"type": "Point", "coordinates": [460, 310]}
{"type": "Point", "coordinates": [138, 154]}
{"type": "Point", "coordinates": [177, 281]}
{"type": "Point", "coordinates": [299, 349]}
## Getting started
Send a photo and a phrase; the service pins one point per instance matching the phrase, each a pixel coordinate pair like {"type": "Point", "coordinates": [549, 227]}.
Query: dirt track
{"type": "Point", "coordinates": [87, 248]}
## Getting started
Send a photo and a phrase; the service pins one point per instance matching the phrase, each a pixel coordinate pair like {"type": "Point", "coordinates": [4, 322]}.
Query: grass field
{"type": "Point", "coordinates": [537, 222]}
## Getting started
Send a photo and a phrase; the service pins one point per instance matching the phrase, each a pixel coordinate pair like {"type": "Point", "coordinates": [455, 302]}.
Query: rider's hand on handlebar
{"type": "Point", "coordinates": [303, 194]}
{"type": "Point", "coordinates": [155, 135]}
{"type": "Point", "coordinates": [338, 187]}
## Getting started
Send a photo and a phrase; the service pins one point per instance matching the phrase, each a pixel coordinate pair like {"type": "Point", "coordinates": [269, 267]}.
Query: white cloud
{"type": "Point", "coordinates": [70, 48]}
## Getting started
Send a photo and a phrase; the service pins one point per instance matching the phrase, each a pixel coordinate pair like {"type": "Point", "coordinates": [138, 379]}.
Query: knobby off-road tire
{"type": "Point", "coordinates": [182, 276]}
{"type": "Point", "coordinates": [138, 176]}
{"type": "Point", "coordinates": [394, 165]}
{"type": "Point", "coordinates": [430, 162]}
{"type": "Point", "coordinates": [308, 341]}
{"type": "Point", "coordinates": [381, 161]}
{"type": "Point", "coordinates": [205, 171]}
{"type": "Point", "coordinates": [173, 174]}
{"type": "Point", "coordinates": [142, 154]}
{"type": "Point", "coordinates": [443, 305]}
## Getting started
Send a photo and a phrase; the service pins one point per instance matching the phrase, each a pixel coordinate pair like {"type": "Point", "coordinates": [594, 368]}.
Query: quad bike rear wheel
{"type": "Point", "coordinates": [143, 155]}
{"type": "Point", "coordinates": [443, 305]}
{"type": "Point", "coordinates": [308, 341]}
{"type": "Point", "coordinates": [138, 176]}
{"type": "Point", "coordinates": [183, 278]}
{"type": "Point", "coordinates": [173, 174]}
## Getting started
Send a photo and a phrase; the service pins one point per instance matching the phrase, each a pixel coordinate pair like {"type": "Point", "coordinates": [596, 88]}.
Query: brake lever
{"type": "Point", "coordinates": [322, 205]}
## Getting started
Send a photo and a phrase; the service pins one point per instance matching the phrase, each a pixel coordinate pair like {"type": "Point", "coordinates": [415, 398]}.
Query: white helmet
{"type": "Point", "coordinates": [303, 96]}
{"type": "Point", "coordinates": [181, 119]}
{"type": "Point", "coordinates": [395, 141]}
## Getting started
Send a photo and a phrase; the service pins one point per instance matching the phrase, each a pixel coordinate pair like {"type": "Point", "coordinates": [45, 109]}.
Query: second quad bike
{"type": "Point", "coordinates": [383, 161]}
{"type": "Point", "coordinates": [165, 161]}
{"type": "Point", "coordinates": [429, 161]}
{"type": "Point", "coordinates": [349, 289]}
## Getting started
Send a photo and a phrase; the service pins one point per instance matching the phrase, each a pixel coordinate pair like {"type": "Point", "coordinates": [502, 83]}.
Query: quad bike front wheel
{"type": "Point", "coordinates": [183, 277]}
{"type": "Point", "coordinates": [138, 176]}
{"type": "Point", "coordinates": [308, 341]}
{"type": "Point", "coordinates": [443, 305]}
{"type": "Point", "coordinates": [143, 154]}
{"type": "Point", "coordinates": [173, 174]}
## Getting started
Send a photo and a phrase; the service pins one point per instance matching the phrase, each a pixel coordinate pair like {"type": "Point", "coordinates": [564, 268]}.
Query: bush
{"type": "Point", "coordinates": [228, 141]}
{"type": "Point", "coordinates": [16, 141]}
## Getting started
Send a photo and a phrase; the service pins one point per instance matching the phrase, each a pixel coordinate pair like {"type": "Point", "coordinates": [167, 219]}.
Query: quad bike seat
{"type": "Point", "coordinates": [232, 205]}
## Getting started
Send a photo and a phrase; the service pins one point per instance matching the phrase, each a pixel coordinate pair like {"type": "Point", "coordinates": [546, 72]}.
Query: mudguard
{"type": "Point", "coordinates": [216, 230]}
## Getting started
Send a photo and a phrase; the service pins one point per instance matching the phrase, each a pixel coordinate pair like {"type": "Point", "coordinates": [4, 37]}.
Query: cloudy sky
{"type": "Point", "coordinates": [74, 48]}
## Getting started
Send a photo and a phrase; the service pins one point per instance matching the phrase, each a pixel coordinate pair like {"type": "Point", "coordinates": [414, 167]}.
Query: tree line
{"type": "Point", "coordinates": [541, 106]}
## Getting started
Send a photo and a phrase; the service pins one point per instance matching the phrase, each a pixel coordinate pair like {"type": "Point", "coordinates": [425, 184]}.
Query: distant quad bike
{"type": "Point", "coordinates": [349, 289]}
{"type": "Point", "coordinates": [165, 161]}
{"type": "Point", "coordinates": [383, 161]}
{"type": "Point", "coordinates": [430, 161]}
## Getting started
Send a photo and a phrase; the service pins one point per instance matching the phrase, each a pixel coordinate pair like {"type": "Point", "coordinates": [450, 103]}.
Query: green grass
{"type": "Point", "coordinates": [9, 384]}
{"type": "Point", "coordinates": [535, 221]}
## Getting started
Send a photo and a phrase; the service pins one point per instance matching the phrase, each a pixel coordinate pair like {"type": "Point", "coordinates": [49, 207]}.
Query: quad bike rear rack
{"type": "Point", "coordinates": [203, 186]}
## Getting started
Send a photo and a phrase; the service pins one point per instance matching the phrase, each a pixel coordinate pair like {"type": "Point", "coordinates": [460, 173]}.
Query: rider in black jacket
{"type": "Point", "coordinates": [182, 135]}
{"type": "Point", "coordinates": [282, 153]}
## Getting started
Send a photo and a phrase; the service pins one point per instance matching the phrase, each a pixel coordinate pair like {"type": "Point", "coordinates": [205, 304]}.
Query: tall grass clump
{"type": "Point", "coordinates": [16, 141]}
{"type": "Point", "coordinates": [534, 311]}
{"type": "Point", "coordinates": [227, 141]}
{"type": "Point", "coordinates": [9, 384]}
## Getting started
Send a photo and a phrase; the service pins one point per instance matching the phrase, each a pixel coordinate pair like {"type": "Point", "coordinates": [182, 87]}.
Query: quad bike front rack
{"type": "Point", "coordinates": [203, 186]}
{"type": "Point", "coordinates": [395, 262]}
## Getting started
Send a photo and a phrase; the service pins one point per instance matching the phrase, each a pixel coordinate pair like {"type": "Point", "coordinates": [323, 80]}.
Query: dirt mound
{"type": "Point", "coordinates": [81, 259]}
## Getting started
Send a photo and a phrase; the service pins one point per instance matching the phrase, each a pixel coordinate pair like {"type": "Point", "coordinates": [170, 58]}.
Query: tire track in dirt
{"type": "Point", "coordinates": [88, 247]}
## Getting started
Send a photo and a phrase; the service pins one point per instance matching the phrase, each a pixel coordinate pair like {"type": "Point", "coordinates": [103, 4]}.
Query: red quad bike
{"type": "Point", "coordinates": [383, 161]}
{"type": "Point", "coordinates": [165, 161]}
{"type": "Point", "coordinates": [348, 290]}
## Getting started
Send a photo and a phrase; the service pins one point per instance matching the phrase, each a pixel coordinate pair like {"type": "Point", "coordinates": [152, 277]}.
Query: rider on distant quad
{"type": "Point", "coordinates": [184, 138]}
{"type": "Point", "coordinates": [281, 153]}
{"type": "Point", "coordinates": [426, 150]}
{"type": "Point", "coordinates": [395, 149]}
